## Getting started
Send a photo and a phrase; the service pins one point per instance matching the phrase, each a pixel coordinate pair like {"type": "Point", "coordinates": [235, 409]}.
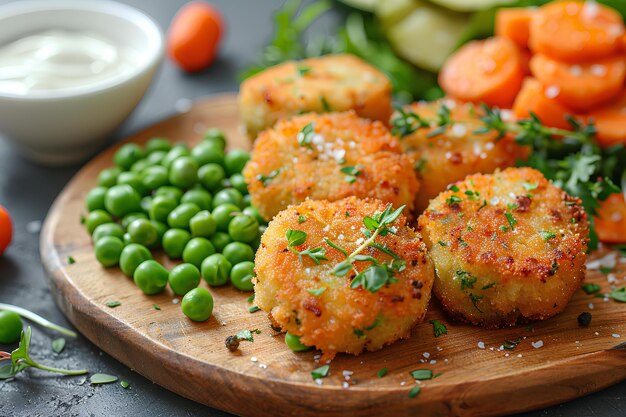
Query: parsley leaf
{"type": "Point", "coordinates": [439, 328]}
{"type": "Point", "coordinates": [305, 136]}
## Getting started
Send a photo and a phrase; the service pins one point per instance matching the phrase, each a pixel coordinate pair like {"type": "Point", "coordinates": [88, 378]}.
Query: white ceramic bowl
{"type": "Point", "coordinates": [65, 126]}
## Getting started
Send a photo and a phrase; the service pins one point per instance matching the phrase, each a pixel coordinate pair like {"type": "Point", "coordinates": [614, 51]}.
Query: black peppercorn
{"type": "Point", "coordinates": [584, 319]}
{"type": "Point", "coordinates": [232, 343]}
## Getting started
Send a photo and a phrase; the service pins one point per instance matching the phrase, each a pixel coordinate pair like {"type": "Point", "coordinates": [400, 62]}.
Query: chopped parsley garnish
{"type": "Point", "coordinates": [266, 179]}
{"type": "Point", "coordinates": [247, 334]}
{"type": "Point", "coordinates": [297, 238]}
{"type": "Point", "coordinates": [422, 374]}
{"type": "Point", "coordinates": [491, 285]}
{"type": "Point", "coordinates": [547, 235]}
{"type": "Point", "coordinates": [303, 70]}
{"type": "Point", "coordinates": [253, 309]}
{"type": "Point", "coordinates": [511, 344]}
{"type": "Point", "coordinates": [510, 219]}
{"type": "Point", "coordinates": [474, 298]}
{"type": "Point", "coordinates": [251, 298]}
{"type": "Point", "coordinates": [335, 246]}
{"type": "Point", "coordinates": [321, 372]}
{"type": "Point", "coordinates": [453, 199]}
{"type": "Point", "coordinates": [351, 173]}
{"type": "Point", "coordinates": [325, 106]}
{"type": "Point", "coordinates": [301, 219]}
{"type": "Point", "coordinates": [405, 121]}
{"type": "Point", "coordinates": [439, 328]}
{"type": "Point", "coordinates": [467, 280]}
{"type": "Point", "coordinates": [156, 306]}
{"type": "Point", "coordinates": [113, 304]}
{"type": "Point", "coordinates": [618, 294]}
{"type": "Point", "coordinates": [71, 260]}
{"type": "Point", "coordinates": [415, 391]}
{"type": "Point", "coordinates": [605, 270]}
{"type": "Point", "coordinates": [442, 243]}
{"type": "Point", "coordinates": [317, 291]}
{"type": "Point", "coordinates": [381, 373]}
{"type": "Point", "coordinates": [420, 165]}
{"type": "Point", "coordinates": [454, 188]}
{"type": "Point", "coordinates": [590, 288]}
{"type": "Point", "coordinates": [305, 136]}
{"type": "Point", "coordinates": [503, 229]}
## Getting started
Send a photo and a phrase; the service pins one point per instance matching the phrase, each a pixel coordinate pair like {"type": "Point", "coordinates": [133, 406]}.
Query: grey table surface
{"type": "Point", "coordinates": [28, 190]}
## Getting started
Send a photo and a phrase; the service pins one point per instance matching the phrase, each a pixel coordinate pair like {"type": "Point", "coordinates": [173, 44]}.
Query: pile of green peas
{"type": "Point", "coordinates": [191, 203]}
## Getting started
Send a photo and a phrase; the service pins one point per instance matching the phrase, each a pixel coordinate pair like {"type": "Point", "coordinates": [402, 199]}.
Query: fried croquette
{"type": "Point", "coordinates": [507, 247]}
{"type": "Point", "coordinates": [329, 83]}
{"type": "Point", "coordinates": [445, 155]}
{"type": "Point", "coordinates": [328, 157]}
{"type": "Point", "coordinates": [322, 306]}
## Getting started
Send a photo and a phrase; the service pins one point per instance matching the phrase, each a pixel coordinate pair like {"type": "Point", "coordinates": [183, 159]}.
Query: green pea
{"type": "Point", "coordinates": [211, 176]}
{"type": "Point", "coordinates": [254, 212]}
{"type": "Point", "coordinates": [174, 242]}
{"type": "Point", "coordinates": [208, 153]}
{"type": "Point", "coordinates": [108, 229]}
{"type": "Point", "coordinates": [169, 191]}
{"type": "Point", "coordinates": [197, 250]}
{"type": "Point", "coordinates": [161, 228]}
{"type": "Point", "coordinates": [127, 155]}
{"type": "Point", "coordinates": [199, 197]}
{"type": "Point", "coordinates": [235, 160]}
{"type": "Point", "coordinates": [142, 231]}
{"type": "Point", "coordinates": [256, 242]}
{"type": "Point", "coordinates": [132, 256]}
{"type": "Point", "coordinates": [216, 269]}
{"type": "Point", "coordinates": [181, 215]}
{"type": "Point", "coordinates": [216, 136]}
{"type": "Point", "coordinates": [108, 250]}
{"type": "Point", "coordinates": [243, 228]}
{"type": "Point", "coordinates": [227, 195]}
{"type": "Point", "coordinates": [184, 278]}
{"type": "Point", "coordinates": [262, 228]}
{"type": "Point", "coordinates": [126, 239]}
{"type": "Point", "coordinates": [108, 177]}
{"type": "Point", "coordinates": [158, 145]}
{"type": "Point", "coordinates": [237, 252]}
{"type": "Point", "coordinates": [176, 152]}
{"type": "Point", "coordinates": [202, 224]}
{"type": "Point", "coordinates": [293, 342]}
{"type": "Point", "coordinates": [223, 214]}
{"type": "Point", "coordinates": [140, 165]}
{"type": "Point", "coordinates": [96, 218]}
{"type": "Point", "coordinates": [183, 172]}
{"type": "Point", "coordinates": [10, 327]}
{"type": "Point", "coordinates": [156, 157]}
{"type": "Point", "coordinates": [161, 207]}
{"type": "Point", "coordinates": [130, 217]}
{"type": "Point", "coordinates": [151, 277]}
{"type": "Point", "coordinates": [220, 240]}
{"type": "Point", "coordinates": [122, 199]}
{"type": "Point", "coordinates": [134, 180]}
{"type": "Point", "coordinates": [154, 177]}
{"type": "Point", "coordinates": [146, 203]}
{"type": "Point", "coordinates": [241, 275]}
{"type": "Point", "coordinates": [247, 200]}
{"type": "Point", "coordinates": [95, 198]}
{"type": "Point", "coordinates": [197, 304]}
{"type": "Point", "coordinates": [238, 182]}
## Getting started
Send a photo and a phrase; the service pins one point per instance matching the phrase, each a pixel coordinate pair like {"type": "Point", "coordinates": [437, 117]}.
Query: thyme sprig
{"type": "Point", "coordinates": [297, 238]}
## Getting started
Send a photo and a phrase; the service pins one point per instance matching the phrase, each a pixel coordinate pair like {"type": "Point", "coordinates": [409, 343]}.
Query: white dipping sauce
{"type": "Point", "coordinates": [61, 59]}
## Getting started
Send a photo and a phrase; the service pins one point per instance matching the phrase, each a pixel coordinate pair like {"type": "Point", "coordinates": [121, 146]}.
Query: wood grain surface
{"type": "Point", "coordinates": [266, 379]}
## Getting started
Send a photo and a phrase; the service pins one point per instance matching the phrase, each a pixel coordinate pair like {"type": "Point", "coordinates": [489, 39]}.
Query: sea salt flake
{"type": "Point", "coordinates": [616, 335]}
{"type": "Point", "coordinates": [319, 381]}
{"type": "Point", "coordinates": [426, 355]}
{"type": "Point", "coordinates": [253, 359]}
{"type": "Point", "coordinates": [481, 345]}
{"type": "Point", "coordinates": [175, 300]}
{"type": "Point", "coordinates": [345, 385]}
{"type": "Point", "coordinates": [537, 344]}
{"type": "Point", "coordinates": [262, 366]}
{"type": "Point", "coordinates": [433, 361]}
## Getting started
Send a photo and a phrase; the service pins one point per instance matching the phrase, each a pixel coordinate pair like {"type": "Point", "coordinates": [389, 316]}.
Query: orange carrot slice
{"type": "Point", "coordinates": [576, 31]}
{"type": "Point", "coordinates": [488, 71]}
{"type": "Point", "coordinates": [514, 23]}
{"type": "Point", "coordinates": [610, 122]}
{"type": "Point", "coordinates": [539, 100]}
{"type": "Point", "coordinates": [610, 222]}
{"type": "Point", "coordinates": [581, 86]}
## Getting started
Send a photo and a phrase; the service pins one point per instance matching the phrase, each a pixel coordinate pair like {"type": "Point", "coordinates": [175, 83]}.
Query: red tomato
{"type": "Point", "coordinates": [194, 35]}
{"type": "Point", "coordinates": [6, 230]}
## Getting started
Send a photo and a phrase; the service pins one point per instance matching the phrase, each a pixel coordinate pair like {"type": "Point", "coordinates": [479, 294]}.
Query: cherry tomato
{"type": "Point", "coordinates": [194, 35]}
{"type": "Point", "coordinates": [6, 229]}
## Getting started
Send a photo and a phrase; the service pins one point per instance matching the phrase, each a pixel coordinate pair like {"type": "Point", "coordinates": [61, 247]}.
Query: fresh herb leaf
{"type": "Point", "coordinates": [490, 285]}
{"type": "Point", "coordinates": [325, 106]}
{"type": "Point", "coordinates": [442, 243]}
{"type": "Point", "coordinates": [316, 255]}
{"type": "Point", "coordinates": [467, 280]}
{"type": "Point", "coordinates": [385, 249]}
{"type": "Point", "coordinates": [511, 220]}
{"type": "Point", "coordinates": [267, 179]}
{"type": "Point", "coordinates": [113, 304]}
{"type": "Point", "coordinates": [382, 372]}
{"type": "Point", "coordinates": [295, 237]}
{"type": "Point", "coordinates": [351, 173]}
{"type": "Point", "coordinates": [71, 260]}
{"type": "Point", "coordinates": [439, 328]}
{"type": "Point", "coordinates": [415, 391]}
{"type": "Point", "coordinates": [405, 121]}
{"type": "Point", "coordinates": [253, 309]}
{"type": "Point", "coordinates": [317, 291]}
{"type": "Point", "coordinates": [547, 235]}
{"type": "Point", "coordinates": [251, 298]}
{"type": "Point", "coordinates": [98, 379]}
{"type": "Point", "coordinates": [58, 345]}
{"type": "Point", "coordinates": [306, 135]}
{"type": "Point", "coordinates": [511, 344]}
{"type": "Point", "coordinates": [321, 372]}
{"type": "Point", "coordinates": [422, 374]}
{"type": "Point", "coordinates": [301, 219]}
{"type": "Point", "coordinates": [605, 270]}
{"type": "Point", "coordinates": [453, 199]}
{"type": "Point", "coordinates": [156, 306]}
{"type": "Point", "coordinates": [373, 278]}
{"type": "Point", "coordinates": [303, 70]}
{"type": "Point", "coordinates": [333, 245]}
{"type": "Point", "coordinates": [474, 298]}
{"type": "Point", "coordinates": [618, 294]}
{"type": "Point", "coordinates": [590, 288]}
{"type": "Point", "coordinates": [530, 186]}
{"type": "Point", "coordinates": [247, 334]}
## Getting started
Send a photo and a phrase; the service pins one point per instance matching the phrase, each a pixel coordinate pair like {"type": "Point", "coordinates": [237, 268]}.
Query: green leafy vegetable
{"type": "Point", "coordinates": [113, 304]}
{"type": "Point", "coordinates": [58, 345]}
{"type": "Point", "coordinates": [98, 379]}
{"type": "Point", "coordinates": [438, 328]}
{"type": "Point", "coordinates": [321, 372]}
{"type": "Point", "coordinates": [422, 374]}
{"type": "Point", "coordinates": [415, 391]}
{"type": "Point", "coordinates": [382, 372]}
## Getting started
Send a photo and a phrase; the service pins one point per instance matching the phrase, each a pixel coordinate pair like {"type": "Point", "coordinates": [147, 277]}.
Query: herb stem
{"type": "Point", "coordinates": [37, 319]}
{"type": "Point", "coordinates": [364, 245]}
{"type": "Point", "coordinates": [60, 371]}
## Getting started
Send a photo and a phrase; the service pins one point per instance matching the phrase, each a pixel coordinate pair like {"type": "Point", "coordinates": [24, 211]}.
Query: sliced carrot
{"type": "Point", "coordinates": [581, 86]}
{"type": "Point", "coordinates": [526, 57]}
{"type": "Point", "coordinates": [610, 222]}
{"type": "Point", "coordinates": [514, 23]}
{"type": "Point", "coordinates": [576, 31]}
{"type": "Point", "coordinates": [610, 122]}
{"type": "Point", "coordinates": [488, 71]}
{"type": "Point", "coordinates": [536, 99]}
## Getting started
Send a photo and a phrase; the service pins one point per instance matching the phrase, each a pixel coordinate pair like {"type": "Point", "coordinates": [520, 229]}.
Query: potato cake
{"type": "Point", "coordinates": [507, 247]}
{"type": "Point", "coordinates": [328, 83]}
{"type": "Point", "coordinates": [329, 306]}
{"type": "Point", "coordinates": [445, 155]}
{"type": "Point", "coordinates": [328, 157]}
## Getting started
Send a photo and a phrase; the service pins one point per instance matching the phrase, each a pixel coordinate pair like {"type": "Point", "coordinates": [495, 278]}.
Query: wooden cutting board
{"type": "Point", "coordinates": [266, 379]}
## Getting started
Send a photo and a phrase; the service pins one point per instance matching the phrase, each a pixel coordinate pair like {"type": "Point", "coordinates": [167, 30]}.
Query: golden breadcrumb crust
{"type": "Point", "coordinates": [507, 247]}
{"type": "Point", "coordinates": [329, 83]}
{"type": "Point", "coordinates": [340, 319]}
{"type": "Point", "coordinates": [458, 151]}
{"type": "Point", "coordinates": [283, 171]}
